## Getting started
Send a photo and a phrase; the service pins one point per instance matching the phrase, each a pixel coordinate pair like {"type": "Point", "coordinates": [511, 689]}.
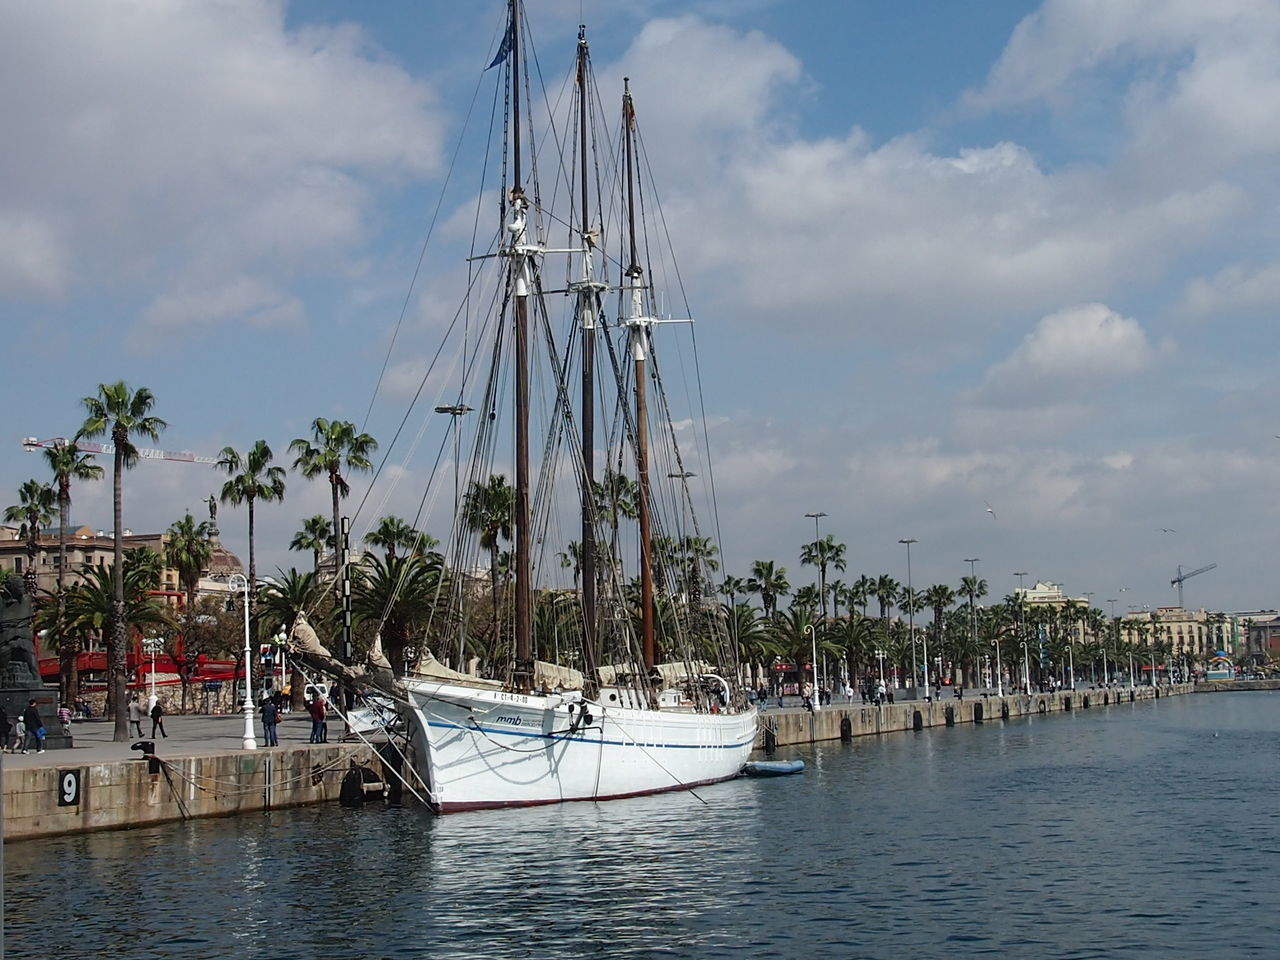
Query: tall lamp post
{"type": "Point", "coordinates": [152, 646]}
{"type": "Point", "coordinates": [822, 576]}
{"type": "Point", "coordinates": [238, 581]}
{"type": "Point", "coordinates": [815, 700]}
{"type": "Point", "coordinates": [911, 622]}
{"type": "Point", "coordinates": [1026, 668]}
{"type": "Point", "coordinates": [880, 657]}
{"type": "Point", "coordinates": [1022, 597]}
{"type": "Point", "coordinates": [999, 668]}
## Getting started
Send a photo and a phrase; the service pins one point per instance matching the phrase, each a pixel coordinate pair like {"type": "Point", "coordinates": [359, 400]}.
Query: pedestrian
{"type": "Point", "coordinates": [5, 730]}
{"type": "Point", "coordinates": [135, 714]}
{"type": "Point", "coordinates": [34, 727]}
{"type": "Point", "coordinates": [157, 721]}
{"type": "Point", "coordinates": [270, 715]}
{"type": "Point", "coordinates": [19, 736]}
{"type": "Point", "coordinates": [64, 718]}
{"type": "Point", "coordinates": [316, 709]}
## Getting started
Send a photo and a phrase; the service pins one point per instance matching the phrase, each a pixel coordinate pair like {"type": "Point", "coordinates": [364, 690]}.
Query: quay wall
{"type": "Point", "coordinates": [779, 728]}
{"type": "Point", "coordinates": [1229, 686]}
{"type": "Point", "coordinates": [126, 793]}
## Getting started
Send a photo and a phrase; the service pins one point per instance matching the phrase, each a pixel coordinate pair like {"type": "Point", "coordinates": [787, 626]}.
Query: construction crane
{"type": "Point", "coordinates": [1178, 580]}
{"type": "Point", "coordinates": [183, 456]}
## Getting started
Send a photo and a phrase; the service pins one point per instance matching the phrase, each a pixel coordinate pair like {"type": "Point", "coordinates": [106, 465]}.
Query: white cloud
{"type": "Point", "coordinates": [1240, 288]}
{"type": "Point", "coordinates": [1069, 352]}
{"type": "Point", "coordinates": [184, 147]}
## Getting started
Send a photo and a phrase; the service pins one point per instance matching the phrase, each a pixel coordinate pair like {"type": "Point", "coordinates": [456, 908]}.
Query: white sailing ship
{"type": "Point", "coordinates": [625, 723]}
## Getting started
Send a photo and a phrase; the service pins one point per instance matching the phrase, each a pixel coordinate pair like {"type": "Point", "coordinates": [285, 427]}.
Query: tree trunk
{"type": "Point", "coordinates": [66, 664]}
{"type": "Point", "coordinates": [119, 627]}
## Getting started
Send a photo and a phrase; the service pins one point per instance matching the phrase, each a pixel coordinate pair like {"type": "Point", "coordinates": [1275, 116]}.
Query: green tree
{"type": "Point", "coordinates": [121, 413]}
{"type": "Point", "coordinates": [282, 599]}
{"type": "Point", "coordinates": [488, 509]}
{"type": "Point", "coordinates": [398, 597]}
{"type": "Point", "coordinates": [334, 445]}
{"type": "Point", "coordinates": [316, 535]}
{"type": "Point", "coordinates": [251, 478]}
{"type": "Point", "coordinates": [770, 582]}
{"type": "Point", "coordinates": [822, 554]}
{"type": "Point", "coordinates": [68, 464]}
{"type": "Point", "coordinates": [33, 510]}
{"type": "Point", "coordinates": [393, 534]}
{"type": "Point", "coordinates": [188, 551]}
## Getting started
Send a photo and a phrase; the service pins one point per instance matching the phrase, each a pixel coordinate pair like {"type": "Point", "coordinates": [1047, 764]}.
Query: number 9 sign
{"type": "Point", "coordinates": [69, 788]}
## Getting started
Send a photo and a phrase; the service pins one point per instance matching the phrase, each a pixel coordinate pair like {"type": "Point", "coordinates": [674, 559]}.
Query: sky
{"type": "Point", "coordinates": [997, 277]}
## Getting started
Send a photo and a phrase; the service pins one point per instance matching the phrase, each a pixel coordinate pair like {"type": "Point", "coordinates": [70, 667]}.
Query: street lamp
{"type": "Point", "coordinates": [238, 581]}
{"type": "Point", "coordinates": [152, 646]}
{"type": "Point", "coordinates": [815, 700]}
{"type": "Point", "coordinates": [999, 669]}
{"type": "Point", "coordinates": [1022, 596]}
{"type": "Point", "coordinates": [880, 657]}
{"type": "Point", "coordinates": [911, 622]}
{"type": "Point", "coordinates": [822, 573]}
{"type": "Point", "coordinates": [1026, 669]}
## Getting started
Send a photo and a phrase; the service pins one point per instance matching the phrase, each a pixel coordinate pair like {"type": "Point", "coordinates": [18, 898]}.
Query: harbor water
{"type": "Point", "coordinates": [1143, 830]}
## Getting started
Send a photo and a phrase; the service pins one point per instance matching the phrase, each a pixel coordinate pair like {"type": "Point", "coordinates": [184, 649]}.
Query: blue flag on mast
{"type": "Point", "coordinates": [504, 48]}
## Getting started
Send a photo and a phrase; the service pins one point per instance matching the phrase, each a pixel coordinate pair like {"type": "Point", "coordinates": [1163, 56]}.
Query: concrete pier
{"type": "Point", "coordinates": [204, 772]}
{"type": "Point", "coordinates": [843, 721]}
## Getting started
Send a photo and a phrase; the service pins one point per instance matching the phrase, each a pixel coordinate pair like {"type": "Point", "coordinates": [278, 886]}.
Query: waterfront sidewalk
{"type": "Point", "coordinates": [192, 735]}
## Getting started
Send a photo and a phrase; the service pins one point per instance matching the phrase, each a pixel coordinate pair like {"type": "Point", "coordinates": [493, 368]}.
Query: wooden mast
{"type": "Point", "coordinates": [522, 677]}
{"type": "Point", "coordinates": [587, 313]}
{"type": "Point", "coordinates": [639, 348]}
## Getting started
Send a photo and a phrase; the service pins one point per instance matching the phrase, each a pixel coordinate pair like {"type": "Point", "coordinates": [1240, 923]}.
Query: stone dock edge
{"type": "Point", "coordinates": [54, 800]}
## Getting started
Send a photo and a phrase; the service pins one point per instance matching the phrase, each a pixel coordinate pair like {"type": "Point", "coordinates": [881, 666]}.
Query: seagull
{"type": "Point", "coordinates": [990, 511]}
{"type": "Point", "coordinates": [1167, 530]}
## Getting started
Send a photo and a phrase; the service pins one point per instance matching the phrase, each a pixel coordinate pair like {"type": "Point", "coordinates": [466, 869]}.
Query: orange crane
{"type": "Point", "coordinates": [183, 456]}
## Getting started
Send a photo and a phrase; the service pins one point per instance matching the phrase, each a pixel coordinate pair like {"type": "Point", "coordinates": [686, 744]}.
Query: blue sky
{"type": "Point", "coordinates": [941, 255]}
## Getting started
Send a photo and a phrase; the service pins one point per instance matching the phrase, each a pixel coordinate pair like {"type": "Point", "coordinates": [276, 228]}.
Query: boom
{"type": "Point", "coordinates": [182, 456]}
{"type": "Point", "coordinates": [1178, 580]}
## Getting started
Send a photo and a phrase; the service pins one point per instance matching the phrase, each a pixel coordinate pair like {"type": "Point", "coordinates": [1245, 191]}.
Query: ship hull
{"type": "Point", "coordinates": [483, 749]}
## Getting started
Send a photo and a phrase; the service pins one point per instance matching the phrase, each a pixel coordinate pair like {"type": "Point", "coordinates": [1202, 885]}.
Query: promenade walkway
{"type": "Point", "coordinates": [192, 735]}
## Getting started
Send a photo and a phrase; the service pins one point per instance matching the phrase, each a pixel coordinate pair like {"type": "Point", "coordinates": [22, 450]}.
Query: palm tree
{"type": "Point", "coordinates": [251, 479]}
{"type": "Point", "coordinates": [33, 510]}
{"type": "Point", "coordinates": [282, 599]}
{"type": "Point", "coordinates": [860, 592]}
{"type": "Point", "coordinates": [886, 593]}
{"type": "Point", "coordinates": [938, 598]}
{"type": "Point", "coordinates": [699, 555]}
{"type": "Point", "coordinates": [336, 445]}
{"type": "Point", "coordinates": [67, 463]}
{"type": "Point", "coordinates": [822, 554]}
{"type": "Point", "coordinates": [316, 534]}
{"type": "Point", "coordinates": [188, 551]}
{"type": "Point", "coordinates": [398, 596]}
{"type": "Point", "coordinates": [488, 509]}
{"type": "Point", "coordinates": [121, 413]}
{"type": "Point", "coordinates": [392, 533]}
{"type": "Point", "coordinates": [770, 582]}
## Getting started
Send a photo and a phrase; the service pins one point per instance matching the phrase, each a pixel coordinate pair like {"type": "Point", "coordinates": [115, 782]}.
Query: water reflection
{"type": "Point", "coordinates": [1129, 830]}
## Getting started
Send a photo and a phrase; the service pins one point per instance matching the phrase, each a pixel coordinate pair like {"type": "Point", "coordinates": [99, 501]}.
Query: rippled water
{"type": "Point", "coordinates": [1146, 830]}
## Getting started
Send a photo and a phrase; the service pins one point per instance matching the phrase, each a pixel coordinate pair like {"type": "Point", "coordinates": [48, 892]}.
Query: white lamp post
{"type": "Point", "coordinates": [880, 657]}
{"type": "Point", "coordinates": [152, 645]}
{"type": "Point", "coordinates": [911, 622]}
{"type": "Point", "coordinates": [238, 581]}
{"type": "Point", "coordinates": [813, 639]}
{"type": "Point", "coordinates": [1026, 669]}
{"type": "Point", "coordinates": [999, 668]}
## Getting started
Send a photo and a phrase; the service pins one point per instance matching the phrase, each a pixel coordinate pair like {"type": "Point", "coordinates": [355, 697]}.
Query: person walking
{"type": "Point", "coordinates": [6, 728]}
{"type": "Point", "coordinates": [34, 727]}
{"type": "Point", "coordinates": [157, 721]}
{"type": "Point", "coordinates": [270, 717]}
{"type": "Point", "coordinates": [64, 718]}
{"type": "Point", "coordinates": [135, 714]}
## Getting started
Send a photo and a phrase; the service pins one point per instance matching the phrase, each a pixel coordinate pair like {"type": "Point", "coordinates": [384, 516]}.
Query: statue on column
{"type": "Point", "coordinates": [213, 515]}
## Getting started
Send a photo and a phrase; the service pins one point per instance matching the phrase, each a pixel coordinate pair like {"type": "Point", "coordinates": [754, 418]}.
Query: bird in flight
{"type": "Point", "coordinates": [1167, 530]}
{"type": "Point", "coordinates": [990, 511]}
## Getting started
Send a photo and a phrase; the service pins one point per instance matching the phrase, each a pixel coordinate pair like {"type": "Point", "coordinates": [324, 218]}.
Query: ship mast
{"type": "Point", "coordinates": [639, 326]}
{"type": "Point", "coordinates": [520, 252]}
{"type": "Point", "coordinates": [588, 292]}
